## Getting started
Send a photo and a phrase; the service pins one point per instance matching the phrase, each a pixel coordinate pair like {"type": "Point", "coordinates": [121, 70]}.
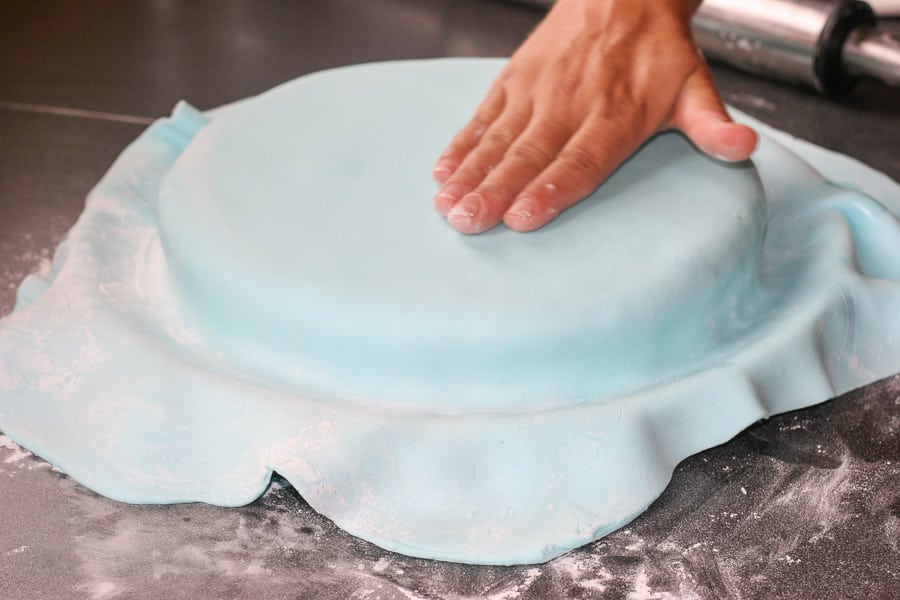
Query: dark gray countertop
{"type": "Point", "coordinates": [805, 505]}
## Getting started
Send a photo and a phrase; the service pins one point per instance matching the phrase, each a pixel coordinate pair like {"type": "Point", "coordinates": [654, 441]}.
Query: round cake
{"type": "Point", "coordinates": [301, 240]}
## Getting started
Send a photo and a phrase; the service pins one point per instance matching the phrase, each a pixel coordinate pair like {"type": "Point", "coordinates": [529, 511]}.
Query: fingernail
{"type": "Point", "coordinates": [730, 159]}
{"type": "Point", "coordinates": [522, 209]}
{"type": "Point", "coordinates": [464, 213]}
{"type": "Point", "coordinates": [443, 169]}
{"type": "Point", "coordinates": [451, 191]}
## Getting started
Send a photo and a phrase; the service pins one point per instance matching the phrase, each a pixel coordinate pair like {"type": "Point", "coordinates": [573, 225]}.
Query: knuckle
{"type": "Point", "coordinates": [453, 150]}
{"type": "Point", "coordinates": [582, 160]}
{"type": "Point", "coordinates": [531, 154]}
{"type": "Point", "coordinates": [490, 190]}
{"type": "Point", "coordinates": [498, 138]}
{"type": "Point", "coordinates": [482, 119]}
{"type": "Point", "coordinates": [477, 125]}
{"type": "Point", "coordinates": [475, 170]}
{"type": "Point", "coordinates": [464, 179]}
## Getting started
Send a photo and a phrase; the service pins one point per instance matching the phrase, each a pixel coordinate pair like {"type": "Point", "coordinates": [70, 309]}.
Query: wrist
{"type": "Point", "coordinates": [683, 9]}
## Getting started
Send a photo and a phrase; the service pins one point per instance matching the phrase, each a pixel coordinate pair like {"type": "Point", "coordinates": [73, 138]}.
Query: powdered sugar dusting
{"type": "Point", "coordinates": [19, 262]}
{"type": "Point", "coordinates": [16, 453]}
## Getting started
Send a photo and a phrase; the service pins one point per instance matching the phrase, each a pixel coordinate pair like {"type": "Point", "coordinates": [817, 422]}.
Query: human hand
{"type": "Point", "coordinates": [594, 81]}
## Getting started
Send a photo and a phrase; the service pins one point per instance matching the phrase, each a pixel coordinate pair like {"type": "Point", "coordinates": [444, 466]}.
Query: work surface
{"type": "Point", "coordinates": [805, 505]}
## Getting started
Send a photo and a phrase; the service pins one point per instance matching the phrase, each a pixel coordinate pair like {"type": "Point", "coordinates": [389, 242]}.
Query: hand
{"type": "Point", "coordinates": [594, 81]}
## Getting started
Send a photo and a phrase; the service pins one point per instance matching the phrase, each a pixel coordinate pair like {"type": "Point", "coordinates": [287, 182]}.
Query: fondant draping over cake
{"type": "Point", "coordinates": [267, 288]}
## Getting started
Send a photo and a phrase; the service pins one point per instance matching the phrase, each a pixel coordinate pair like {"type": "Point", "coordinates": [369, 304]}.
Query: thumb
{"type": "Point", "coordinates": [700, 115]}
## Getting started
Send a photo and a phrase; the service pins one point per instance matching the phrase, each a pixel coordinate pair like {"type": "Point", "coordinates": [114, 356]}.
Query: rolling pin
{"type": "Point", "coordinates": [823, 44]}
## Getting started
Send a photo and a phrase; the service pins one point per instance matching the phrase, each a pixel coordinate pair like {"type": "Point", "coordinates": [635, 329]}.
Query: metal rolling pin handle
{"type": "Point", "coordinates": [824, 44]}
{"type": "Point", "coordinates": [869, 52]}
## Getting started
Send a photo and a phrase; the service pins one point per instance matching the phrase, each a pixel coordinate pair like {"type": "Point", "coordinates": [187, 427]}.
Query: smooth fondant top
{"type": "Point", "coordinates": [299, 228]}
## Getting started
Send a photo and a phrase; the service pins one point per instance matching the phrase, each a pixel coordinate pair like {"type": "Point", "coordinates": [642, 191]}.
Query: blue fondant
{"type": "Point", "coordinates": [269, 289]}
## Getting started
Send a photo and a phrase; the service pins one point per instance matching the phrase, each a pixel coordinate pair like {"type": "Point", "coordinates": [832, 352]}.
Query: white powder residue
{"type": "Point", "coordinates": [892, 533]}
{"type": "Point", "coordinates": [584, 571]}
{"type": "Point", "coordinates": [16, 453]}
{"type": "Point", "coordinates": [101, 590]}
{"type": "Point", "coordinates": [381, 564]}
{"type": "Point", "coordinates": [116, 544]}
{"type": "Point", "coordinates": [409, 594]}
{"type": "Point", "coordinates": [378, 589]}
{"type": "Point", "coordinates": [18, 550]}
{"type": "Point", "coordinates": [45, 266]}
{"type": "Point", "coordinates": [820, 494]}
{"type": "Point", "coordinates": [17, 265]}
{"type": "Point", "coordinates": [16, 456]}
{"type": "Point", "coordinates": [516, 590]}
{"type": "Point", "coordinates": [642, 591]}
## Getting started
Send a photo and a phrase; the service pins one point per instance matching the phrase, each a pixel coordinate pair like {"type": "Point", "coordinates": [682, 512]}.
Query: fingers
{"type": "Point", "coordinates": [586, 160]}
{"type": "Point", "coordinates": [484, 206]}
{"type": "Point", "coordinates": [470, 135]}
{"type": "Point", "coordinates": [700, 115]}
{"type": "Point", "coordinates": [526, 173]}
{"type": "Point", "coordinates": [481, 160]}
{"type": "Point", "coordinates": [545, 171]}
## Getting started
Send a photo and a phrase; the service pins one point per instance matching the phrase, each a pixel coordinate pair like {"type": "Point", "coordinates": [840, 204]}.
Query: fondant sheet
{"type": "Point", "coordinates": [168, 357]}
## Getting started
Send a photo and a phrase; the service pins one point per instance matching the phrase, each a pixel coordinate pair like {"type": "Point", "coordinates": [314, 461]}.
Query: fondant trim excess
{"type": "Point", "coordinates": [115, 370]}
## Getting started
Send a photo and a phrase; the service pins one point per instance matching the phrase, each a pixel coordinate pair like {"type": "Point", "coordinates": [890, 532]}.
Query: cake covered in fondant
{"type": "Point", "coordinates": [267, 288]}
{"type": "Point", "coordinates": [299, 233]}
